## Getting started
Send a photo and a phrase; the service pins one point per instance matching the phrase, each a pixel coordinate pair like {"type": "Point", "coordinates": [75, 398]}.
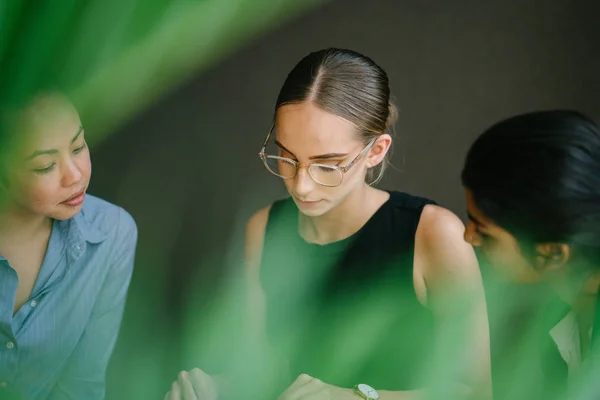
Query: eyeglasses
{"type": "Point", "coordinates": [323, 174]}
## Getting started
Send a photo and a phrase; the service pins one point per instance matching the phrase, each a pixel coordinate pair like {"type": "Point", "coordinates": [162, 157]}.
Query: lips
{"type": "Point", "coordinates": [74, 196]}
{"type": "Point", "coordinates": [307, 203]}
{"type": "Point", "coordinates": [76, 199]}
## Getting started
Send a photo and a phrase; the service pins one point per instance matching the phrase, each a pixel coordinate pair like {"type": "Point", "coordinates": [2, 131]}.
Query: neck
{"type": "Point", "coordinates": [580, 293]}
{"type": "Point", "coordinates": [582, 297]}
{"type": "Point", "coordinates": [344, 220]}
{"type": "Point", "coordinates": [18, 225]}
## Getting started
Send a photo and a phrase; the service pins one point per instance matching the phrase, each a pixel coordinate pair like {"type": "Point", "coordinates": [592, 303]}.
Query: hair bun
{"type": "Point", "coordinates": [392, 115]}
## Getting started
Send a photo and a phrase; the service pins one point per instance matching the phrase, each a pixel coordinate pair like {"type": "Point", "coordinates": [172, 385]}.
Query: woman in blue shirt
{"type": "Point", "coordinates": [66, 259]}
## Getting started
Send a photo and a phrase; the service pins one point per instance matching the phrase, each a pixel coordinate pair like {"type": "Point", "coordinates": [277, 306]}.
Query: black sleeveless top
{"type": "Point", "coordinates": [347, 312]}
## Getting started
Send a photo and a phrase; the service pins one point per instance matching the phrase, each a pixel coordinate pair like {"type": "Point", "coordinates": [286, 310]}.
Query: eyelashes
{"type": "Point", "coordinates": [49, 168]}
{"type": "Point", "coordinates": [44, 170]}
{"type": "Point", "coordinates": [78, 150]}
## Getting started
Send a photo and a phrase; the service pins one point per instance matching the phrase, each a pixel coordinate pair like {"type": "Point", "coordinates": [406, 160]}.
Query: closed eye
{"type": "Point", "coordinates": [325, 168]}
{"type": "Point", "coordinates": [80, 148]}
{"type": "Point", "coordinates": [44, 170]}
{"type": "Point", "coordinates": [330, 162]}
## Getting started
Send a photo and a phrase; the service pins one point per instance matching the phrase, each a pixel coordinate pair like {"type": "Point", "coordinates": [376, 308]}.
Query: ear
{"type": "Point", "coordinates": [378, 150]}
{"type": "Point", "coordinates": [552, 256]}
{"type": "Point", "coordinates": [471, 235]}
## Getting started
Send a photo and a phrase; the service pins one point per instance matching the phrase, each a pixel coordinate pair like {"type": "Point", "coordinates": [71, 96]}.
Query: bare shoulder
{"type": "Point", "coordinates": [454, 290]}
{"type": "Point", "coordinates": [255, 234]}
{"type": "Point", "coordinates": [437, 223]}
{"type": "Point", "coordinates": [257, 224]}
{"type": "Point", "coordinates": [440, 246]}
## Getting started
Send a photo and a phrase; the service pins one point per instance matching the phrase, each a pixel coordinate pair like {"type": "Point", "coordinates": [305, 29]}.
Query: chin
{"type": "Point", "coordinates": [311, 213]}
{"type": "Point", "coordinates": [64, 214]}
{"type": "Point", "coordinates": [315, 210]}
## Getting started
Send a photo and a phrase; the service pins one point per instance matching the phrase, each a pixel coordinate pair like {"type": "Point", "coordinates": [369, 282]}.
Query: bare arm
{"type": "Point", "coordinates": [254, 334]}
{"type": "Point", "coordinates": [255, 297]}
{"type": "Point", "coordinates": [455, 295]}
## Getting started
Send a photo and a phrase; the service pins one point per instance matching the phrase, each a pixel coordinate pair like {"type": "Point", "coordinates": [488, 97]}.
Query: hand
{"type": "Point", "coordinates": [309, 388]}
{"type": "Point", "coordinates": [193, 385]}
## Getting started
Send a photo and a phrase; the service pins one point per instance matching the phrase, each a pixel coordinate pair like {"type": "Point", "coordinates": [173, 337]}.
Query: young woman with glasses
{"type": "Point", "coordinates": [359, 288]}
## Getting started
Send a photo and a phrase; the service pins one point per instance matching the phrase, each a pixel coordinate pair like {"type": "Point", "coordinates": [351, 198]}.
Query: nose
{"type": "Point", "coordinates": [71, 174]}
{"type": "Point", "coordinates": [304, 183]}
{"type": "Point", "coordinates": [471, 236]}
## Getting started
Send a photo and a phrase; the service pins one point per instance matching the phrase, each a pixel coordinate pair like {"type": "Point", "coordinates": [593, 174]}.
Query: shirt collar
{"type": "Point", "coordinates": [78, 230]}
{"type": "Point", "coordinates": [86, 229]}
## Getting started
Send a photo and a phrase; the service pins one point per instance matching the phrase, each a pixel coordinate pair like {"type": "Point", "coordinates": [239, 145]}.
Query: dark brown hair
{"type": "Point", "coordinates": [537, 175]}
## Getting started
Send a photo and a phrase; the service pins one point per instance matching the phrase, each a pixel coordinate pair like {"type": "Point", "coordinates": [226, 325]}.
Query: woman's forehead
{"type": "Point", "coordinates": [473, 211]}
{"type": "Point", "coordinates": [50, 134]}
{"type": "Point", "coordinates": [309, 128]}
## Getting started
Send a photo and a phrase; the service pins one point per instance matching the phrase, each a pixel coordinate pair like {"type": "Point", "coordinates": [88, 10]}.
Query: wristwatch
{"type": "Point", "coordinates": [366, 392]}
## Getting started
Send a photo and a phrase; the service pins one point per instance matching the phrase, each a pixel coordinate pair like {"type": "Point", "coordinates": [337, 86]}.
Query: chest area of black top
{"type": "Point", "coordinates": [380, 253]}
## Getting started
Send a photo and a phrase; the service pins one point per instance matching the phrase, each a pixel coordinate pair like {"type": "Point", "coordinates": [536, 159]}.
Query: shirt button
{"type": "Point", "coordinates": [10, 345]}
{"type": "Point", "coordinates": [33, 303]}
{"type": "Point", "coordinates": [3, 384]}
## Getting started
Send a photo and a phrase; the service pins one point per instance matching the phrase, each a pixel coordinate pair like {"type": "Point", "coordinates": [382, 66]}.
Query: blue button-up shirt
{"type": "Point", "coordinates": [58, 344]}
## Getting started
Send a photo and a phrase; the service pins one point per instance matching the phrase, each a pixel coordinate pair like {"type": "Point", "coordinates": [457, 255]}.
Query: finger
{"type": "Point", "coordinates": [186, 386]}
{"type": "Point", "coordinates": [301, 380]}
{"type": "Point", "coordinates": [302, 386]}
{"type": "Point", "coordinates": [175, 393]}
{"type": "Point", "coordinates": [314, 389]}
{"type": "Point", "coordinates": [203, 384]}
{"type": "Point", "coordinates": [198, 377]}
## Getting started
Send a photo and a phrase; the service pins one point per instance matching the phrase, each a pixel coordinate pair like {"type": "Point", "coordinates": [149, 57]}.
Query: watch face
{"type": "Point", "coordinates": [368, 391]}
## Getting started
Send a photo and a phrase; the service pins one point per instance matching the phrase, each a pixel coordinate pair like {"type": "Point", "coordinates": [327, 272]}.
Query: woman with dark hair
{"type": "Point", "coordinates": [356, 286]}
{"type": "Point", "coordinates": [533, 196]}
{"type": "Point", "coordinates": [66, 257]}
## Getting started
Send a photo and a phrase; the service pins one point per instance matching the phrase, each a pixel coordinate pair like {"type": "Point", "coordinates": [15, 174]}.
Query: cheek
{"type": "Point", "coordinates": [38, 192]}
{"type": "Point", "coordinates": [289, 184]}
{"type": "Point", "coordinates": [507, 259]}
{"type": "Point", "coordinates": [358, 171]}
{"type": "Point", "coordinates": [84, 163]}
{"type": "Point", "coordinates": [352, 179]}
{"type": "Point", "coordinates": [499, 253]}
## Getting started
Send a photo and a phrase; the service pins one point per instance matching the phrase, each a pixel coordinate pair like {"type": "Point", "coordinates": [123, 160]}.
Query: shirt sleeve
{"type": "Point", "coordinates": [84, 375]}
